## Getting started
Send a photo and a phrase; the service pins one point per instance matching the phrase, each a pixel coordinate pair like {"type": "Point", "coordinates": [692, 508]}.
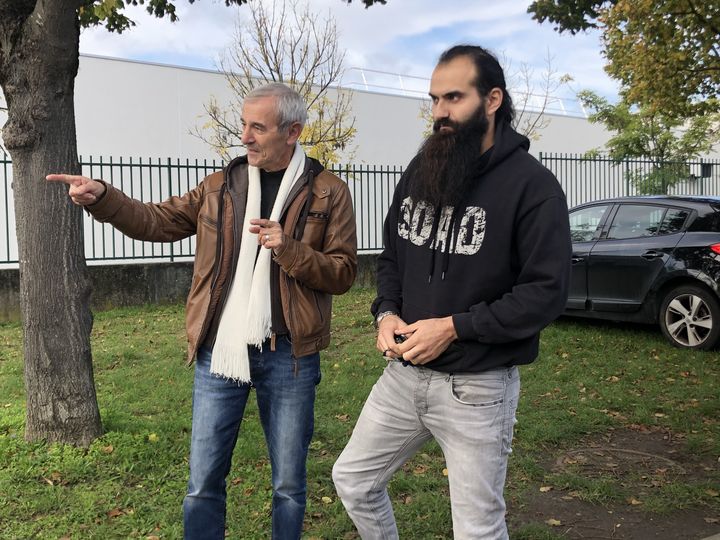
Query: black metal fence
{"type": "Point", "coordinates": [590, 179]}
{"type": "Point", "coordinates": [147, 180]}
{"type": "Point", "coordinates": [583, 179]}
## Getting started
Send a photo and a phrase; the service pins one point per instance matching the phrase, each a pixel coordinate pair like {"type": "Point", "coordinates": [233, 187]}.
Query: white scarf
{"type": "Point", "coordinates": [246, 318]}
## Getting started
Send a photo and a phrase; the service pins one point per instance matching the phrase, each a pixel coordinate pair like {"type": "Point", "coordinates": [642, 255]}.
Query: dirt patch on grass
{"type": "Point", "coordinates": [638, 459]}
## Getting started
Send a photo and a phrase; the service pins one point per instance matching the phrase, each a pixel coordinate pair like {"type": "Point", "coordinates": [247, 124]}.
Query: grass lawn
{"type": "Point", "coordinates": [590, 379]}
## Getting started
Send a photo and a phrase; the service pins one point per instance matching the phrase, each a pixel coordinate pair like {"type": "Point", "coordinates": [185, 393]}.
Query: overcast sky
{"type": "Point", "coordinates": [402, 37]}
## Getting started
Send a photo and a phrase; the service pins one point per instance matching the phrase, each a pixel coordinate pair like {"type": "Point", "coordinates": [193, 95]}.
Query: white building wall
{"type": "Point", "coordinates": [135, 109]}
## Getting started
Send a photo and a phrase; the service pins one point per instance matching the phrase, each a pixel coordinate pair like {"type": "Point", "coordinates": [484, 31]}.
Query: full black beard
{"type": "Point", "coordinates": [447, 161]}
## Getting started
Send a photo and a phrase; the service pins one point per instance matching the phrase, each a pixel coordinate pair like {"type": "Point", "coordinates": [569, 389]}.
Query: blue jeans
{"type": "Point", "coordinates": [471, 416]}
{"type": "Point", "coordinates": [285, 388]}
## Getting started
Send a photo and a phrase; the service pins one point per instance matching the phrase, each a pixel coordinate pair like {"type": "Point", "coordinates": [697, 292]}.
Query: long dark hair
{"type": "Point", "coordinates": [489, 75]}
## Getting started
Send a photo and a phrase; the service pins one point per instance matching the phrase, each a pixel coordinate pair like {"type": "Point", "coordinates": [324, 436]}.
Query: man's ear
{"type": "Point", "coordinates": [294, 133]}
{"type": "Point", "coordinates": [493, 100]}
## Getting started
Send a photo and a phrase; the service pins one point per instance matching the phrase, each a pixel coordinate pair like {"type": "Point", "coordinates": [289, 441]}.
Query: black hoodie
{"type": "Point", "coordinates": [503, 274]}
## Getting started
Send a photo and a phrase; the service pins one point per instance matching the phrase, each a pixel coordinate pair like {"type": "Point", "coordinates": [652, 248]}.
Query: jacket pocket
{"type": "Point", "coordinates": [316, 224]}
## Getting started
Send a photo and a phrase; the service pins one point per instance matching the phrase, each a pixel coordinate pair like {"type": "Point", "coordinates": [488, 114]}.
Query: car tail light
{"type": "Point", "coordinates": [716, 248]}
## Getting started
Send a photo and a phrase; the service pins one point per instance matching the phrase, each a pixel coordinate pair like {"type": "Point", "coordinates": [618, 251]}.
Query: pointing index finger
{"type": "Point", "coordinates": [68, 179]}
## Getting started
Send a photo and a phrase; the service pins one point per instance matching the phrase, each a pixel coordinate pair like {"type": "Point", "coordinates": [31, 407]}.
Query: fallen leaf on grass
{"type": "Point", "coordinates": [108, 449]}
{"type": "Point", "coordinates": [343, 417]}
{"type": "Point", "coordinates": [545, 489]}
{"type": "Point", "coordinates": [153, 438]}
{"type": "Point", "coordinates": [633, 501]}
{"type": "Point", "coordinates": [553, 522]}
{"type": "Point", "coordinates": [445, 472]}
{"type": "Point", "coordinates": [712, 492]}
{"type": "Point", "coordinates": [420, 469]}
{"type": "Point", "coordinates": [115, 512]}
{"type": "Point", "coordinates": [711, 520]}
{"type": "Point", "coordinates": [327, 500]}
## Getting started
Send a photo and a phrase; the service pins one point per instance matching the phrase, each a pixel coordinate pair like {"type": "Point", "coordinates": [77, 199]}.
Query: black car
{"type": "Point", "coordinates": [652, 259]}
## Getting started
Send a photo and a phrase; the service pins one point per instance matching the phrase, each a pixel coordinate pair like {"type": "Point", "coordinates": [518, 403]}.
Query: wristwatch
{"type": "Point", "coordinates": [380, 316]}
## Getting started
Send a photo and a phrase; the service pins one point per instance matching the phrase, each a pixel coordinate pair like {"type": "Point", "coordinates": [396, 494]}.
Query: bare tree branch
{"type": "Point", "coordinates": [285, 42]}
{"type": "Point", "coordinates": [532, 97]}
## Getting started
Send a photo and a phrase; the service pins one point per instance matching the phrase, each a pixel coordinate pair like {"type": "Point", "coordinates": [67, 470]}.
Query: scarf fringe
{"type": "Point", "coordinates": [227, 363]}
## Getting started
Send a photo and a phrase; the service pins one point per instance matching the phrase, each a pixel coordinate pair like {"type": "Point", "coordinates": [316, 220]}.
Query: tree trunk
{"type": "Point", "coordinates": [38, 63]}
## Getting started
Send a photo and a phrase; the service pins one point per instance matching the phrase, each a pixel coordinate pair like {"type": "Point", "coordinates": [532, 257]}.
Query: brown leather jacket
{"type": "Point", "coordinates": [318, 259]}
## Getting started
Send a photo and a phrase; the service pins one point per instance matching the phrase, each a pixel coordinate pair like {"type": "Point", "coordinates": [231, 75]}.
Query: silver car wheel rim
{"type": "Point", "coordinates": [688, 320]}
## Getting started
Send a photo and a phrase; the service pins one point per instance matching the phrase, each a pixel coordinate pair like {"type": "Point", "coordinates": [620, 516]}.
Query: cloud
{"type": "Point", "coordinates": [403, 37]}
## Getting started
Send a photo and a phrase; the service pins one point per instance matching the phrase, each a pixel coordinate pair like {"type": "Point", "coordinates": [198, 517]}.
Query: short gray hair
{"type": "Point", "coordinates": [291, 107]}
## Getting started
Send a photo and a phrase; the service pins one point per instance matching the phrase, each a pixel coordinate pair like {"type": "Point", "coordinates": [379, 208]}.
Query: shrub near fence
{"type": "Point", "coordinates": [582, 179]}
{"type": "Point", "coordinates": [154, 180]}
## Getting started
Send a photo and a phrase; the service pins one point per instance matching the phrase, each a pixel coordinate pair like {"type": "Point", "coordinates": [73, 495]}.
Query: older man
{"type": "Point", "coordinates": [476, 263]}
{"type": "Point", "coordinates": [275, 239]}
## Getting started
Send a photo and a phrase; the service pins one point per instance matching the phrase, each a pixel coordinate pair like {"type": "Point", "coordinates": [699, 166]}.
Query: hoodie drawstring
{"type": "Point", "coordinates": [452, 234]}
{"type": "Point", "coordinates": [433, 235]}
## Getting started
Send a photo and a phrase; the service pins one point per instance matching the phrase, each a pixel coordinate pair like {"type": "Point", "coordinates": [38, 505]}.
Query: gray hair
{"type": "Point", "coordinates": [291, 107]}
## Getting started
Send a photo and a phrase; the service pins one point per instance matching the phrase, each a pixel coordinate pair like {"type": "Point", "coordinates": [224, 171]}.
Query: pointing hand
{"type": "Point", "coordinates": [83, 191]}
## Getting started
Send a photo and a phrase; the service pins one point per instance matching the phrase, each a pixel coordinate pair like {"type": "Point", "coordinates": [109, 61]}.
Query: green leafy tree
{"type": "Point", "coordinates": [285, 42]}
{"type": "Point", "coordinates": [666, 53]}
{"type": "Point", "coordinates": [665, 142]}
{"type": "Point", "coordinates": [39, 51]}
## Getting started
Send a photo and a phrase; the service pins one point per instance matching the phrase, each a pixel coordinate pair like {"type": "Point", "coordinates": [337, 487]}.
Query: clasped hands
{"type": "Point", "coordinates": [425, 339]}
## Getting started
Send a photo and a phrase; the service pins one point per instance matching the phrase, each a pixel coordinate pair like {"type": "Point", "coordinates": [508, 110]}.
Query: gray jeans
{"type": "Point", "coordinates": [471, 416]}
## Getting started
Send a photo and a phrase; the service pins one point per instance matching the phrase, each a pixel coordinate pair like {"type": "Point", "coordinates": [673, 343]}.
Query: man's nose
{"type": "Point", "coordinates": [440, 111]}
{"type": "Point", "coordinates": [246, 136]}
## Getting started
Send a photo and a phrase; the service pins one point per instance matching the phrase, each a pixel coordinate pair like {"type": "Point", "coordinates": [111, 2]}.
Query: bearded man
{"type": "Point", "coordinates": [476, 263]}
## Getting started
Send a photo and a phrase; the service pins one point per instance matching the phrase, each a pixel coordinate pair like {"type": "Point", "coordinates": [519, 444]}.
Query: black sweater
{"type": "Point", "coordinates": [504, 273]}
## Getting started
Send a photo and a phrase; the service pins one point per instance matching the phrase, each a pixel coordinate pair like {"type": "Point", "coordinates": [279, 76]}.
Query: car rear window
{"type": "Point", "coordinates": [674, 220]}
{"type": "Point", "coordinates": [709, 222]}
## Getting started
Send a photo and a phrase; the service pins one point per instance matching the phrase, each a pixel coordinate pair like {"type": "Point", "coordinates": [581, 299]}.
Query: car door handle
{"type": "Point", "coordinates": [576, 260]}
{"type": "Point", "coordinates": [652, 254]}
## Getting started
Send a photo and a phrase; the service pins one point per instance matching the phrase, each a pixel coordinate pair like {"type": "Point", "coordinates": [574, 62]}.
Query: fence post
{"type": "Point", "coordinates": [627, 177]}
{"type": "Point", "coordinates": [6, 161]}
{"type": "Point", "coordinates": [169, 173]}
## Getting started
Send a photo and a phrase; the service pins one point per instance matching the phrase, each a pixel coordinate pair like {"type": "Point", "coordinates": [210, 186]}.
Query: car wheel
{"type": "Point", "coordinates": [690, 317]}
